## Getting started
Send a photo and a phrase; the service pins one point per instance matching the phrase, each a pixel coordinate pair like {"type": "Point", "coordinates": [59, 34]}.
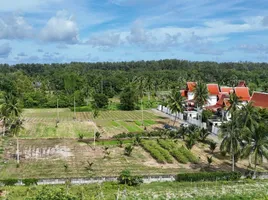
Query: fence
{"type": "Point", "coordinates": [80, 181]}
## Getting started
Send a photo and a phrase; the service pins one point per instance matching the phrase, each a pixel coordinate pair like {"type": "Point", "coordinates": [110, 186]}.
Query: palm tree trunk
{"type": "Point", "coordinates": [18, 151]}
{"type": "Point", "coordinates": [233, 160]}
{"type": "Point", "coordinates": [142, 112]}
{"type": "Point", "coordinates": [255, 168]}
{"type": "Point", "coordinates": [175, 119]}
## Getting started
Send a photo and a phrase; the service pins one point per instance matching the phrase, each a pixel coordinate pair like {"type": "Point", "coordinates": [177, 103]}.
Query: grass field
{"type": "Point", "coordinates": [40, 123]}
{"type": "Point", "coordinates": [243, 190]}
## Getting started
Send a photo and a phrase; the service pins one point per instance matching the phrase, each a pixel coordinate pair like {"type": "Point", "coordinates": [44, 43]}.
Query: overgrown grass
{"type": "Point", "coordinates": [244, 190]}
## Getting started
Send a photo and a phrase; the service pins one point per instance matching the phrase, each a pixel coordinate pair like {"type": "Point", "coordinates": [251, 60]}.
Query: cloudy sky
{"type": "Point", "coordinates": [47, 31]}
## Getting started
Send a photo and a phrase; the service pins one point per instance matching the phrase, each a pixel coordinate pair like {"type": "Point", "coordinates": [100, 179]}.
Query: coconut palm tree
{"type": "Point", "coordinates": [140, 87]}
{"type": "Point", "coordinates": [231, 134]}
{"type": "Point", "coordinates": [249, 116]}
{"type": "Point", "coordinates": [15, 128]}
{"type": "Point", "coordinates": [200, 96]}
{"type": "Point", "coordinates": [234, 103]}
{"type": "Point", "coordinates": [257, 145]}
{"type": "Point", "coordinates": [175, 103]}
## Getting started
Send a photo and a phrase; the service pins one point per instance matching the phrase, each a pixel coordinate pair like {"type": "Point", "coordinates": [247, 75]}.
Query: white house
{"type": "Point", "coordinates": [213, 91]}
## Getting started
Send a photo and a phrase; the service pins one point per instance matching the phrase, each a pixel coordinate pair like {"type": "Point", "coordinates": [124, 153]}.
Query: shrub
{"type": "Point", "coordinates": [189, 155]}
{"type": "Point", "coordinates": [126, 178]}
{"type": "Point", "coordinates": [209, 176]}
{"type": "Point", "coordinates": [81, 136]}
{"type": "Point", "coordinates": [178, 155]}
{"type": "Point", "coordinates": [128, 150]}
{"type": "Point", "coordinates": [155, 153]}
{"type": "Point", "coordinates": [100, 100]}
{"type": "Point", "coordinates": [182, 154]}
{"type": "Point", "coordinates": [9, 182]}
{"type": "Point", "coordinates": [30, 181]}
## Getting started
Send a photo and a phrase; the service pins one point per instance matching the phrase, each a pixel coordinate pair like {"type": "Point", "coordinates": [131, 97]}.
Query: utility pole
{"type": "Point", "coordinates": [57, 109]}
{"type": "Point", "coordinates": [74, 108]}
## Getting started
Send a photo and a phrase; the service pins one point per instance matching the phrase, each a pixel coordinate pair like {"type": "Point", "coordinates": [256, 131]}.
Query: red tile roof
{"type": "Point", "coordinates": [220, 104]}
{"type": "Point", "coordinates": [183, 93]}
{"type": "Point", "coordinates": [242, 84]}
{"type": "Point", "coordinates": [242, 93]}
{"type": "Point", "coordinates": [191, 86]}
{"type": "Point", "coordinates": [260, 99]}
{"type": "Point", "coordinates": [226, 89]}
{"type": "Point", "coordinates": [213, 89]}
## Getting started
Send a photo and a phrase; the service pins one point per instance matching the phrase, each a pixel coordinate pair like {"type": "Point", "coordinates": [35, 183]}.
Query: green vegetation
{"type": "Point", "coordinates": [209, 176]}
{"type": "Point", "coordinates": [161, 155]}
{"type": "Point", "coordinates": [181, 154]}
{"type": "Point", "coordinates": [220, 190]}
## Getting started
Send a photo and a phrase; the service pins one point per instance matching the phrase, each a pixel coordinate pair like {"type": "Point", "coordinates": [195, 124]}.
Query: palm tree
{"type": "Point", "coordinates": [234, 103]}
{"type": "Point", "coordinates": [249, 116]}
{"type": "Point", "coordinates": [200, 96]}
{"type": "Point", "coordinates": [257, 145]}
{"type": "Point", "coordinates": [140, 86]}
{"type": "Point", "coordinates": [231, 135]}
{"type": "Point", "coordinates": [95, 115]}
{"type": "Point", "coordinates": [175, 103]}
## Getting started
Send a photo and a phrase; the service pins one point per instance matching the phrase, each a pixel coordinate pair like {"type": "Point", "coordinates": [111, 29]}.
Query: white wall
{"type": "Point", "coordinates": [190, 95]}
{"type": "Point", "coordinates": [212, 100]}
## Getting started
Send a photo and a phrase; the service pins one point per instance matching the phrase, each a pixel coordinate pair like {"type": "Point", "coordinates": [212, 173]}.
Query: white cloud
{"type": "Point", "coordinates": [22, 54]}
{"type": "Point", "coordinates": [15, 27]}
{"type": "Point", "coordinates": [107, 39]}
{"type": "Point", "coordinates": [61, 28]}
{"type": "Point", "coordinates": [5, 50]}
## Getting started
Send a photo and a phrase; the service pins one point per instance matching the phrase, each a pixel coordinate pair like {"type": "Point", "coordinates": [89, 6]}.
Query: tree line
{"type": "Point", "coordinates": [40, 85]}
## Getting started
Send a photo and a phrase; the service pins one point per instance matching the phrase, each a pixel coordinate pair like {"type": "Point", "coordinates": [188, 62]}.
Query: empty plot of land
{"type": "Point", "coordinates": [64, 129]}
{"type": "Point", "coordinates": [69, 158]}
{"type": "Point", "coordinates": [42, 122]}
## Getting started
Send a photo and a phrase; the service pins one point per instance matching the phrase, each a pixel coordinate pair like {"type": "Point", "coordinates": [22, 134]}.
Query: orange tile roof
{"type": "Point", "coordinates": [183, 93]}
{"type": "Point", "coordinates": [242, 84]}
{"type": "Point", "coordinates": [226, 89]}
{"type": "Point", "coordinates": [220, 104]}
{"type": "Point", "coordinates": [213, 89]}
{"type": "Point", "coordinates": [242, 93]}
{"type": "Point", "coordinates": [191, 86]}
{"type": "Point", "coordinates": [260, 99]}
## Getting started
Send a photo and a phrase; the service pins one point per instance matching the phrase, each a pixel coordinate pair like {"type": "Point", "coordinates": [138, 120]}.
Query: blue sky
{"type": "Point", "coordinates": [47, 31]}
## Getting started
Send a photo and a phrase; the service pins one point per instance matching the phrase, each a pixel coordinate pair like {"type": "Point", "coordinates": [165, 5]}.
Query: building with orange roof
{"type": "Point", "coordinates": [213, 91]}
{"type": "Point", "coordinates": [242, 84]}
{"type": "Point", "coordinates": [190, 86]}
{"type": "Point", "coordinates": [242, 93]}
{"type": "Point", "coordinates": [226, 89]}
{"type": "Point", "coordinates": [259, 99]}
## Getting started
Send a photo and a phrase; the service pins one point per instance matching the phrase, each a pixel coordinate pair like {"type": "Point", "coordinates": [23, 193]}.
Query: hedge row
{"type": "Point", "coordinates": [159, 154]}
{"type": "Point", "coordinates": [12, 182]}
{"type": "Point", "coordinates": [181, 154]}
{"type": "Point", "coordinates": [209, 176]}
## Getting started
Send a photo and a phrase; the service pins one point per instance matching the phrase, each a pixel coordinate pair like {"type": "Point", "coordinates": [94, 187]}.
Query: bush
{"type": "Point", "coordinates": [209, 176]}
{"type": "Point", "coordinates": [189, 155]}
{"type": "Point", "coordinates": [9, 182]}
{"type": "Point", "coordinates": [30, 181]}
{"type": "Point", "coordinates": [126, 178]}
{"type": "Point", "coordinates": [182, 154]}
{"type": "Point", "coordinates": [155, 153]}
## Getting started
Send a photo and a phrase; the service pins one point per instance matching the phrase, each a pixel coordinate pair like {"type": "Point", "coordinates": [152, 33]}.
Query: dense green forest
{"type": "Point", "coordinates": [40, 85]}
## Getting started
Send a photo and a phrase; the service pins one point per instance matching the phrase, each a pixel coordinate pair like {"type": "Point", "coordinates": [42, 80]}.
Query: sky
{"type": "Point", "coordinates": [63, 31]}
